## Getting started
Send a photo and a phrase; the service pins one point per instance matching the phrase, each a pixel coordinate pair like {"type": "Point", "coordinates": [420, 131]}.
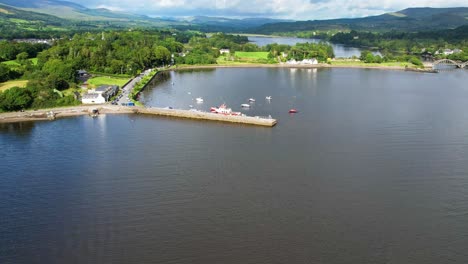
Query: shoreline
{"type": "Point", "coordinates": [297, 66]}
{"type": "Point", "coordinates": [58, 113]}
{"type": "Point", "coordinates": [80, 110]}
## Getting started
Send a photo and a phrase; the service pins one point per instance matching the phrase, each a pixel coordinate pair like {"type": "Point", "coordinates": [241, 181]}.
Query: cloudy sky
{"type": "Point", "coordinates": [289, 9]}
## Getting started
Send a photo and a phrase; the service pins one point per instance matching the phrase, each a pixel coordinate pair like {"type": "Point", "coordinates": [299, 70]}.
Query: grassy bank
{"type": "Point", "coordinates": [363, 64]}
{"type": "Point", "coordinates": [17, 83]}
{"type": "Point", "coordinates": [139, 86]}
{"type": "Point", "coordinates": [15, 63]}
{"type": "Point", "coordinates": [102, 80]}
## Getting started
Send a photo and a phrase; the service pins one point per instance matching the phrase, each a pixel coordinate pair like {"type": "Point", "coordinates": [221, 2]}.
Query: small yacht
{"type": "Point", "coordinates": [199, 100]}
{"type": "Point", "coordinates": [251, 100]}
{"type": "Point", "coordinates": [245, 105]}
{"type": "Point", "coordinates": [293, 111]}
{"type": "Point", "coordinates": [268, 98]}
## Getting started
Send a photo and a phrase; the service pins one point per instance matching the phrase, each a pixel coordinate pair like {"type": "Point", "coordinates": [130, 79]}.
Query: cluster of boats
{"type": "Point", "coordinates": [223, 109]}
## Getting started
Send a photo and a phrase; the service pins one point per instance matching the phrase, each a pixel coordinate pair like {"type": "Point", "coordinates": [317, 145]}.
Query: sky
{"type": "Point", "coordinates": [284, 9]}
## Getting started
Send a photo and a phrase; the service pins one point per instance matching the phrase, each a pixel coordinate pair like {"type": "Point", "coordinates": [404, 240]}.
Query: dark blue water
{"type": "Point", "coordinates": [373, 169]}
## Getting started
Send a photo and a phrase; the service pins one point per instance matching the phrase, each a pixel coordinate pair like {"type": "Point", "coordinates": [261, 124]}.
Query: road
{"type": "Point", "coordinates": [124, 98]}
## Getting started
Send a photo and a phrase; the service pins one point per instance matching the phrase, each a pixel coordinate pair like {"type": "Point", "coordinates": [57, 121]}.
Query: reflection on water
{"type": "Point", "coordinates": [341, 51]}
{"type": "Point", "coordinates": [373, 169]}
{"type": "Point", "coordinates": [17, 129]}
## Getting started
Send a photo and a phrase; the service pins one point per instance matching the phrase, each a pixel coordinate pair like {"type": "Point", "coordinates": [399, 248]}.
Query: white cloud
{"type": "Point", "coordinates": [290, 9]}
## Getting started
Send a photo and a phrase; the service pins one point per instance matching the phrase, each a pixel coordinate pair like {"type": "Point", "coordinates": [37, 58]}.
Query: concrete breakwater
{"type": "Point", "coordinates": [193, 114]}
{"type": "Point", "coordinates": [110, 109]}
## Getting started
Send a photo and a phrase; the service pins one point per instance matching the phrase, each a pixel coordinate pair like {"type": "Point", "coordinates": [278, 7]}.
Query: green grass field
{"type": "Point", "coordinates": [15, 63]}
{"type": "Point", "coordinates": [101, 80]}
{"type": "Point", "coordinates": [7, 85]}
{"type": "Point", "coordinates": [252, 55]}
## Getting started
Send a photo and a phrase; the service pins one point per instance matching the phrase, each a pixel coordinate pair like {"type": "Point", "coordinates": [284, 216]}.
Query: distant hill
{"type": "Point", "coordinates": [40, 3]}
{"type": "Point", "coordinates": [73, 11]}
{"type": "Point", "coordinates": [221, 24]}
{"type": "Point", "coordinates": [411, 19]}
{"type": "Point", "coordinates": [20, 23]}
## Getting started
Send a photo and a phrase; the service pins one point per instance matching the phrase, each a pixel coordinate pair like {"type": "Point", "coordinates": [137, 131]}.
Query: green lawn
{"type": "Point", "coordinates": [34, 61]}
{"type": "Point", "coordinates": [7, 85]}
{"type": "Point", "coordinates": [15, 63]}
{"type": "Point", "coordinates": [101, 80]}
{"type": "Point", "coordinates": [252, 55]}
{"type": "Point", "coordinates": [11, 63]}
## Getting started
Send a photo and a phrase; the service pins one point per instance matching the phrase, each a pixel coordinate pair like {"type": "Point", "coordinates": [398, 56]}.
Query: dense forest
{"type": "Point", "coordinates": [56, 70]}
{"type": "Point", "coordinates": [410, 43]}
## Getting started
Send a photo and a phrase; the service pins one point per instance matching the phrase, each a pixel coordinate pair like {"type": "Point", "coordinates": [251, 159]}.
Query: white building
{"type": "Point", "coordinates": [303, 62]}
{"type": "Point", "coordinates": [100, 95]}
{"type": "Point", "coordinates": [223, 51]}
{"type": "Point", "coordinates": [309, 61]}
{"type": "Point", "coordinates": [93, 98]}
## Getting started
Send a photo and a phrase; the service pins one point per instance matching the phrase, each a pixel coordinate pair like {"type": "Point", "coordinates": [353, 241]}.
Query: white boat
{"type": "Point", "coordinates": [222, 109]}
{"type": "Point", "coordinates": [268, 98]}
{"type": "Point", "coordinates": [251, 100]}
{"type": "Point", "coordinates": [245, 105]}
{"type": "Point", "coordinates": [199, 100]}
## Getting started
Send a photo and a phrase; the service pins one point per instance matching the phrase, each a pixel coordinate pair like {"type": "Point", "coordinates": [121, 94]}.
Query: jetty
{"type": "Point", "coordinates": [41, 115]}
{"type": "Point", "coordinates": [200, 115]}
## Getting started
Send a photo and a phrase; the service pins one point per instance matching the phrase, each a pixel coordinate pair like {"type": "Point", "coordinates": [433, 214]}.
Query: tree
{"type": "Point", "coordinates": [161, 55]}
{"type": "Point", "coordinates": [15, 99]}
{"type": "Point", "coordinates": [22, 57]}
{"type": "Point", "coordinates": [4, 73]}
{"type": "Point", "coordinates": [63, 70]}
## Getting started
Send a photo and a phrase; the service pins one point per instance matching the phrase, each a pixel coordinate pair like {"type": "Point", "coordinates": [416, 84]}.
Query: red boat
{"type": "Point", "coordinates": [292, 111]}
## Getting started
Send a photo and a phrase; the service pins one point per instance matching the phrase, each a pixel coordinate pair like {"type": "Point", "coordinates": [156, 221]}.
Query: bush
{"type": "Point", "coordinates": [15, 99]}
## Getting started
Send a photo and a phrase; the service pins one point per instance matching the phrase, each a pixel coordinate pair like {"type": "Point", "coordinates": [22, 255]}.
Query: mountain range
{"type": "Point", "coordinates": [410, 19]}
{"type": "Point", "coordinates": [50, 14]}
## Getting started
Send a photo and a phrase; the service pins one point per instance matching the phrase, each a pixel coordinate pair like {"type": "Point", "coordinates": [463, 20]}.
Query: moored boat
{"type": "Point", "coordinates": [293, 111]}
{"type": "Point", "coordinates": [199, 100]}
{"type": "Point", "coordinates": [268, 98]}
{"type": "Point", "coordinates": [245, 105]}
{"type": "Point", "coordinates": [251, 100]}
{"type": "Point", "coordinates": [222, 109]}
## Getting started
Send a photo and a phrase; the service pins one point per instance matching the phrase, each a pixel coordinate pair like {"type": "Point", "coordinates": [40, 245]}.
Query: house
{"type": "Point", "coordinates": [302, 62]}
{"type": "Point", "coordinates": [93, 98]}
{"type": "Point", "coordinates": [309, 61]}
{"type": "Point", "coordinates": [82, 73]}
{"type": "Point", "coordinates": [448, 52]}
{"type": "Point", "coordinates": [223, 51]}
{"type": "Point", "coordinates": [107, 91]}
{"type": "Point", "coordinates": [100, 95]}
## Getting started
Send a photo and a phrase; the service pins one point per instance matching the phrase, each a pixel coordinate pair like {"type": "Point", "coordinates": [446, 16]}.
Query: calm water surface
{"type": "Point", "coordinates": [373, 169]}
{"type": "Point", "coordinates": [341, 51]}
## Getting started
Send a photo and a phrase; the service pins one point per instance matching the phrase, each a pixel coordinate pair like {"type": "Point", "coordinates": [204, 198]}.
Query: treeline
{"type": "Point", "coordinates": [9, 50]}
{"type": "Point", "coordinates": [110, 52]}
{"type": "Point", "coordinates": [409, 43]}
{"type": "Point", "coordinates": [204, 50]}
{"type": "Point", "coordinates": [368, 57]}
